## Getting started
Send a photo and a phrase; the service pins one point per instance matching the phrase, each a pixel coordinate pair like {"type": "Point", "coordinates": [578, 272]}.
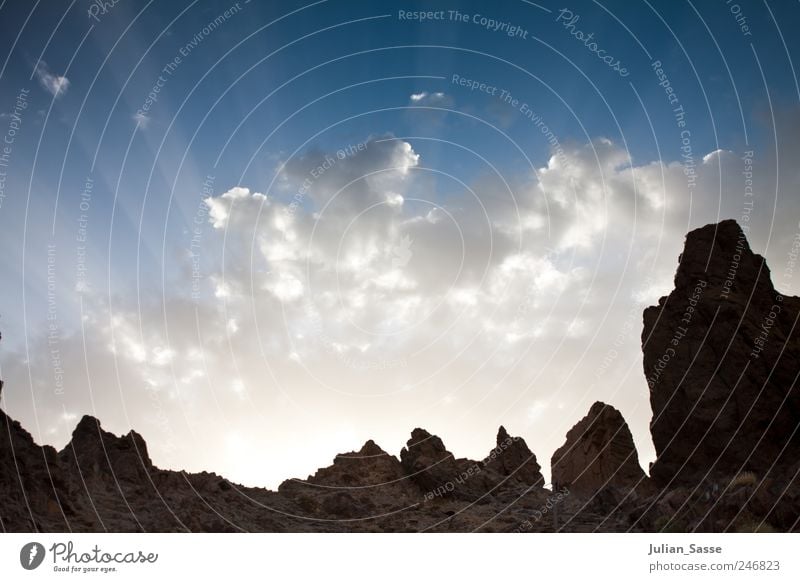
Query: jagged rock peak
{"type": "Point", "coordinates": [357, 484]}
{"type": "Point", "coordinates": [720, 356]}
{"type": "Point", "coordinates": [720, 254]}
{"type": "Point", "coordinates": [598, 452]}
{"type": "Point", "coordinates": [370, 449]}
{"type": "Point", "coordinates": [368, 467]}
{"type": "Point", "coordinates": [95, 450]}
{"type": "Point", "coordinates": [421, 448]}
{"type": "Point", "coordinates": [422, 438]}
{"type": "Point", "coordinates": [502, 434]}
{"type": "Point", "coordinates": [512, 458]}
{"type": "Point", "coordinates": [89, 426]}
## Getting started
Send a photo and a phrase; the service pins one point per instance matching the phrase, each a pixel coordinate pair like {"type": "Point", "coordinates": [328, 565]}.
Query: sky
{"type": "Point", "coordinates": [261, 233]}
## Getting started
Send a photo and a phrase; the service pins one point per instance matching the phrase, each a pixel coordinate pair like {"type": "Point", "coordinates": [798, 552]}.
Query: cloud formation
{"type": "Point", "coordinates": [431, 99]}
{"type": "Point", "coordinates": [56, 85]}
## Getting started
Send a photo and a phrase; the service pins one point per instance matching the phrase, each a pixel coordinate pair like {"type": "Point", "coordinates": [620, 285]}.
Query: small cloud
{"type": "Point", "coordinates": [68, 417]}
{"type": "Point", "coordinates": [536, 410]}
{"type": "Point", "coordinates": [393, 199]}
{"type": "Point", "coordinates": [141, 120]}
{"type": "Point", "coordinates": [57, 85]}
{"type": "Point", "coordinates": [716, 156]}
{"type": "Point", "coordinates": [402, 252]}
{"type": "Point", "coordinates": [436, 98]}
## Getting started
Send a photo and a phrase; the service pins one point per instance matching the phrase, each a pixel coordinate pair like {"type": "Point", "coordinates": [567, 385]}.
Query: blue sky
{"type": "Point", "coordinates": [264, 95]}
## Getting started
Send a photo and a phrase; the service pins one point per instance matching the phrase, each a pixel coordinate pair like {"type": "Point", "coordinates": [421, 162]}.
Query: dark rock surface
{"type": "Point", "coordinates": [512, 459]}
{"type": "Point", "coordinates": [598, 453]}
{"type": "Point", "coordinates": [97, 454]}
{"type": "Point", "coordinates": [722, 357]}
{"type": "Point", "coordinates": [358, 484]}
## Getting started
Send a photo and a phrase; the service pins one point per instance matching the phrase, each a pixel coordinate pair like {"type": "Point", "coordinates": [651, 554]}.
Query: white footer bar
{"type": "Point", "coordinates": [401, 557]}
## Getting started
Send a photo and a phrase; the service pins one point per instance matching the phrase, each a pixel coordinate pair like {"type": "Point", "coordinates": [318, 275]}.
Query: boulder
{"type": "Point", "coordinates": [721, 358]}
{"type": "Point", "coordinates": [598, 453]}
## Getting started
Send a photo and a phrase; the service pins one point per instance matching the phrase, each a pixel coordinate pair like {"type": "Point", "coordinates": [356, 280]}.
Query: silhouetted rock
{"type": "Point", "coordinates": [369, 467]}
{"type": "Point", "coordinates": [513, 460]}
{"type": "Point", "coordinates": [100, 454]}
{"type": "Point", "coordinates": [433, 468]}
{"type": "Point", "coordinates": [358, 484]}
{"type": "Point", "coordinates": [598, 453]}
{"type": "Point", "coordinates": [721, 357]}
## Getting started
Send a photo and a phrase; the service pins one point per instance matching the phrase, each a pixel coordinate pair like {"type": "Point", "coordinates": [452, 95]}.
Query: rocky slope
{"type": "Point", "coordinates": [725, 418]}
{"type": "Point", "coordinates": [722, 358]}
{"type": "Point", "coordinates": [599, 453]}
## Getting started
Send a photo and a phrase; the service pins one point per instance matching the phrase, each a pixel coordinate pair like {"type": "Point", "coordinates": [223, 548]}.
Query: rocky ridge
{"type": "Point", "coordinates": [599, 453]}
{"type": "Point", "coordinates": [725, 419]}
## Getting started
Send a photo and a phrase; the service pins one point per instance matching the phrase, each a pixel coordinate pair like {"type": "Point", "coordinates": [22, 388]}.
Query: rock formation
{"type": "Point", "coordinates": [358, 484]}
{"type": "Point", "coordinates": [721, 358]}
{"type": "Point", "coordinates": [598, 453]}
{"type": "Point", "coordinates": [428, 462]}
{"type": "Point", "coordinates": [98, 454]}
{"type": "Point", "coordinates": [28, 489]}
{"type": "Point", "coordinates": [508, 466]}
{"type": "Point", "coordinates": [513, 460]}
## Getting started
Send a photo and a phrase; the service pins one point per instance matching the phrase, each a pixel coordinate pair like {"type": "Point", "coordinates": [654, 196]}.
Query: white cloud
{"type": "Point", "coordinates": [220, 207]}
{"type": "Point", "coordinates": [57, 85]}
{"type": "Point", "coordinates": [141, 119]}
{"type": "Point", "coordinates": [434, 99]}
